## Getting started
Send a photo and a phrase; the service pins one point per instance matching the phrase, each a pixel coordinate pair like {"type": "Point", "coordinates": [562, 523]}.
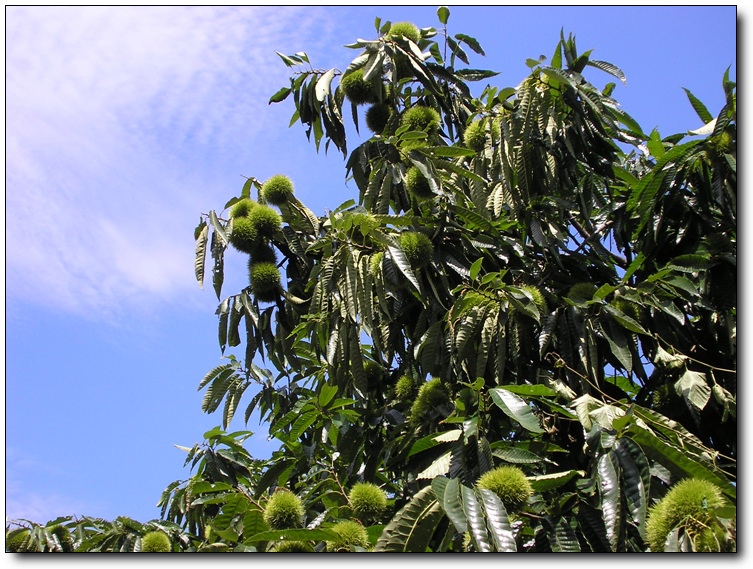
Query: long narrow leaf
{"type": "Point", "coordinates": [516, 408]}
{"type": "Point", "coordinates": [475, 516]}
{"type": "Point", "coordinates": [498, 521]}
{"type": "Point", "coordinates": [609, 484]}
{"type": "Point", "coordinates": [447, 491]}
{"type": "Point", "coordinates": [413, 526]}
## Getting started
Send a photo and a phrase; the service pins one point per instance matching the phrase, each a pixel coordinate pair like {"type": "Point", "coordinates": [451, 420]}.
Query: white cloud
{"type": "Point", "coordinates": [23, 502]}
{"type": "Point", "coordinates": [107, 110]}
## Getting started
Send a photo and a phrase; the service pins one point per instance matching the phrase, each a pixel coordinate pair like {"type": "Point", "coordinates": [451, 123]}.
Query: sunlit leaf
{"type": "Point", "coordinates": [516, 408]}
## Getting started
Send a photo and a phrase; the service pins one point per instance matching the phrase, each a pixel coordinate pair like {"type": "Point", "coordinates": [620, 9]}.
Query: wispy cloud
{"type": "Point", "coordinates": [109, 112]}
{"type": "Point", "coordinates": [25, 502]}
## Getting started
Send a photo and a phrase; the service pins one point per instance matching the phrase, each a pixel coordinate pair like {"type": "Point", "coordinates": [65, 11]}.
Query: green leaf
{"type": "Point", "coordinates": [561, 536]}
{"type": "Point", "coordinates": [304, 422]}
{"type": "Point", "coordinates": [618, 342]}
{"type": "Point", "coordinates": [624, 320]}
{"type": "Point", "coordinates": [608, 68]}
{"type": "Point", "coordinates": [474, 514]}
{"type": "Point", "coordinates": [694, 389]}
{"type": "Point", "coordinates": [497, 521]}
{"type": "Point", "coordinates": [518, 456]}
{"type": "Point", "coordinates": [431, 441]}
{"type": "Point", "coordinates": [218, 228]}
{"type": "Point", "coordinates": [201, 251]}
{"type": "Point", "coordinates": [447, 491]}
{"type": "Point", "coordinates": [636, 474]}
{"type": "Point", "coordinates": [443, 13]}
{"type": "Point", "coordinates": [326, 394]}
{"type": "Point", "coordinates": [227, 368]}
{"type": "Point", "coordinates": [440, 467]}
{"type": "Point", "coordinates": [476, 267]}
{"type": "Point", "coordinates": [544, 482]}
{"type": "Point", "coordinates": [271, 476]}
{"type": "Point", "coordinates": [289, 60]}
{"type": "Point", "coordinates": [678, 461]}
{"type": "Point", "coordinates": [692, 262]}
{"type": "Point", "coordinates": [457, 51]}
{"type": "Point", "coordinates": [537, 390]}
{"type": "Point", "coordinates": [318, 534]}
{"type": "Point", "coordinates": [516, 408]}
{"type": "Point", "coordinates": [470, 42]}
{"type": "Point", "coordinates": [402, 263]}
{"type": "Point", "coordinates": [446, 151]}
{"type": "Point", "coordinates": [413, 526]}
{"type": "Point", "coordinates": [700, 109]}
{"type": "Point", "coordinates": [475, 74]}
{"type": "Point", "coordinates": [609, 485]}
{"type": "Point", "coordinates": [235, 504]}
{"type": "Point", "coordinates": [280, 96]}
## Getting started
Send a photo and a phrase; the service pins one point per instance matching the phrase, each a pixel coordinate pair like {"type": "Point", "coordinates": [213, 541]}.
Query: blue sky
{"type": "Point", "coordinates": [124, 124]}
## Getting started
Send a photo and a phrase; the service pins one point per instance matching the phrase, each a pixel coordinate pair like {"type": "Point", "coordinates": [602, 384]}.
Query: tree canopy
{"type": "Point", "coordinates": [520, 335]}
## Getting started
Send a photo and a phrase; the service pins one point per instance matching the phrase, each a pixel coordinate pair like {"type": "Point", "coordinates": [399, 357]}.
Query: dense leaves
{"type": "Point", "coordinates": [560, 296]}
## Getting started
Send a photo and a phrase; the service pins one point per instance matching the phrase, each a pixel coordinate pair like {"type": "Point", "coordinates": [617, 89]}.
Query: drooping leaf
{"type": "Point", "coordinates": [201, 251]}
{"type": "Point", "coordinates": [694, 389]}
{"type": "Point", "coordinates": [562, 537]}
{"type": "Point", "coordinates": [611, 496]}
{"type": "Point", "coordinates": [497, 521]}
{"type": "Point", "coordinates": [474, 515]}
{"type": "Point", "coordinates": [516, 408]}
{"type": "Point", "coordinates": [636, 474]}
{"type": "Point", "coordinates": [413, 526]}
{"type": "Point", "coordinates": [448, 494]}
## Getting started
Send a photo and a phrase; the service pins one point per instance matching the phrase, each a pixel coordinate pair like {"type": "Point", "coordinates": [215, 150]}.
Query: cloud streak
{"type": "Point", "coordinates": [115, 118]}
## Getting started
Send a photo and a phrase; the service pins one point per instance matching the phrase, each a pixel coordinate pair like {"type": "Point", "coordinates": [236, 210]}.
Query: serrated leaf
{"type": "Point", "coordinates": [692, 262]}
{"type": "Point", "coordinates": [470, 42]}
{"type": "Point", "coordinates": [516, 408]}
{"type": "Point", "coordinates": [518, 456]}
{"type": "Point", "coordinates": [537, 390]}
{"type": "Point", "coordinates": [618, 342]}
{"type": "Point", "coordinates": [545, 482]}
{"type": "Point", "coordinates": [318, 534]}
{"type": "Point", "coordinates": [636, 474]}
{"type": "Point", "coordinates": [431, 441]}
{"type": "Point", "coordinates": [290, 61]}
{"type": "Point", "coordinates": [475, 518]}
{"type": "Point", "coordinates": [497, 521]}
{"type": "Point", "coordinates": [413, 526]}
{"type": "Point", "coordinates": [214, 373]}
{"type": "Point", "coordinates": [609, 485]}
{"type": "Point", "coordinates": [446, 151]}
{"type": "Point", "coordinates": [201, 251]}
{"type": "Point", "coordinates": [608, 68]}
{"type": "Point", "coordinates": [280, 96]}
{"type": "Point", "coordinates": [439, 467]}
{"type": "Point", "coordinates": [475, 74]}
{"type": "Point", "coordinates": [624, 320]}
{"type": "Point", "coordinates": [447, 491]}
{"type": "Point", "coordinates": [402, 263]}
{"type": "Point", "coordinates": [694, 389]}
{"type": "Point", "coordinates": [561, 536]}
{"type": "Point", "coordinates": [700, 109]}
{"type": "Point", "coordinates": [235, 504]}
